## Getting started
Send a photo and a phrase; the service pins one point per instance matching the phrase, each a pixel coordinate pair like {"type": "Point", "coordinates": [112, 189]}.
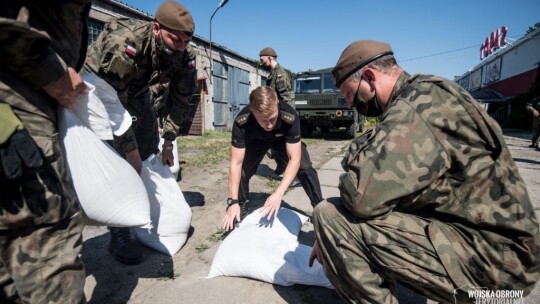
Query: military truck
{"type": "Point", "coordinates": [320, 105]}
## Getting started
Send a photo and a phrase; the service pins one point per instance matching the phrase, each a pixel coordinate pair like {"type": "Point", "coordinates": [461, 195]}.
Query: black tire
{"type": "Point", "coordinates": [324, 129]}
{"type": "Point", "coordinates": [352, 129]}
{"type": "Point", "coordinates": [306, 131]}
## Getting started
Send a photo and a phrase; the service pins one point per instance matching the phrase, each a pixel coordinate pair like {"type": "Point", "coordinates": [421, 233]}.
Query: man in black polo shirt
{"type": "Point", "coordinates": [267, 123]}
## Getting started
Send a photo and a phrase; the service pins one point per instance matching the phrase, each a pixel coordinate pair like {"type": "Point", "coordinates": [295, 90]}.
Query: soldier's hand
{"type": "Point", "coordinates": [315, 254]}
{"type": "Point", "coordinates": [167, 157]}
{"type": "Point", "coordinates": [67, 88]}
{"type": "Point", "coordinates": [271, 206]}
{"type": "Point", "coordinates": [232, 214]}
{"type": "Point", "coordinates": [535, 113]}
{"type": "Point", "coordinates": [134, 159]}
{"type": "Point", "coordinates": [18, 154]}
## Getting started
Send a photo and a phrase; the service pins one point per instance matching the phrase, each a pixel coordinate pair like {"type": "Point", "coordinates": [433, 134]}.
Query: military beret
{"type": "Point", "coordinates": [175, 16]}
{"type": "Point", "coordinates": [268, 51]}
{"type": "Point", "coordinates": [357, 55]}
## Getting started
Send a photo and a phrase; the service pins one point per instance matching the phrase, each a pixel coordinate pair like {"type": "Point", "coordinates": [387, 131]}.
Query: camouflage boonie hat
{"type": "Point", "coordinates": [357, 55]}
{"type": "Point", "coordinates": [268, 51]}
{"type": "Point", "coordinates": [175, 16]}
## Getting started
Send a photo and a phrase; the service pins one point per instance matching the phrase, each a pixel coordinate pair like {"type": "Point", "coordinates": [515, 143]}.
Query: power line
{"type": "Point", "coordinates": [448, 52]}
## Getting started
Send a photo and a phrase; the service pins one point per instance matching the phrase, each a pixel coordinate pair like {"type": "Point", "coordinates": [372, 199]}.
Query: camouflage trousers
{"type": "Point", "coordinates": [363, 258]}
{"type": "Point", "coordinates": [40, 219]}
{"type": "Point", "coordinates": [40, 264]}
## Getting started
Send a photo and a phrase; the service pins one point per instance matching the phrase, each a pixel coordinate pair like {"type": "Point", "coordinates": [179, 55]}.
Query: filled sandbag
{"type": "Point", "coordinates": [268, 250]}
{"type": "Point", "coordinates": [169, 211]}
{"type": "Point", "coordinates": [101, 110]}
{"type": "Point", "coordinates": [110, 191]}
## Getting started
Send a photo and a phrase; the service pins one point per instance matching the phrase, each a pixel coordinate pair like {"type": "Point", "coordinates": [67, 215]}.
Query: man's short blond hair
{"type": "Point", "coordinates": [263, 100]}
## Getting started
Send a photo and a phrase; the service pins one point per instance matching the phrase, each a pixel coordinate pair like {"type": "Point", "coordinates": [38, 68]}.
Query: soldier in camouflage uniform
{"type": "Point", "coordinates": [431, 197]}
{"type": "Point", "coordinates": [279, 80]}
{"type": "Point", "coordinates": [133, 56]}
{"type": "Point", "coordinates": [42, 47]}
{"type": "Point", "coordinates": [533, 106]}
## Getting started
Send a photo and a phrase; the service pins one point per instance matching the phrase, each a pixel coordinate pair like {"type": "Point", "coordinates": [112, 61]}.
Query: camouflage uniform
{"type": "Point", "coordinates": [281, 82]}
{"type": "Point", "coordinates": [535, 105]}
{"type": "Point", "coordinates": [40, 219]}
{"type": "Point", "coordinates": [431, 198]}
{"type": "Point", "coordinates": [125, 56]}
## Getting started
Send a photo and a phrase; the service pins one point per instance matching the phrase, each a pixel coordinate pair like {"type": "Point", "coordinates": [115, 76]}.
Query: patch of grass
{"type": "Point", "coordinates": [371, 122]}
{"type": "Point", "coordinates": [216, 236]}
{"type": "Point", "coordinates": [273, 183]}
{"type": "Point", "coordinates": [209, 149]}
{"type": "Point", "coordinates": [308, 141]}
{"type": "Point", "coordinates": [201, 247]}
{"type": "Point", "coordinates": [169, 276]}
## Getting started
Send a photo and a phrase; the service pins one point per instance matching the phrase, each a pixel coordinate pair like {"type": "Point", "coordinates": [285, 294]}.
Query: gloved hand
{"type": "Point", "coordinates": [18, 151]}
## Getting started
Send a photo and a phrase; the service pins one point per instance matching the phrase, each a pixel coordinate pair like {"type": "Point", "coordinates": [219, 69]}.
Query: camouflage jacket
{"type": "Point", "coordinates": [125, 56]}
{"type": "Point", "coordinates": [281, 82]}
{"type": "Point", "coordinates": [37, 49]}
{"type": "Point", "coordinates": [438, 155]}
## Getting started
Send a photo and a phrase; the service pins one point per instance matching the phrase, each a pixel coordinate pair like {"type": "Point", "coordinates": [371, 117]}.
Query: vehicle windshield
{"type": "Point", "coordinates": [308, 84]}
{"type": "Point", "coordinates": [328, 85]}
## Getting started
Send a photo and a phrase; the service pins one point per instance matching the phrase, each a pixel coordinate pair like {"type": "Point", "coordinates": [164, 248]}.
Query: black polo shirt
{"type": "Point", "coordinates": [247, 131]}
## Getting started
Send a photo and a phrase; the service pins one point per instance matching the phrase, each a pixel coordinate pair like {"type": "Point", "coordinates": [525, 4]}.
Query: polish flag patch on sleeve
{"type": "Point", "coordinates": [131, 51]}
{"type": "Point", "coordinates": [191, 64]}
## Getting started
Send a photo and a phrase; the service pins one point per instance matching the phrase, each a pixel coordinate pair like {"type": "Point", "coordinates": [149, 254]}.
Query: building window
{"type": "Point", "coordinates": [94, 28]}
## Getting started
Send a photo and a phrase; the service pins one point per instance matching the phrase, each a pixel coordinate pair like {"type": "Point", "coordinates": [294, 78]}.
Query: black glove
{"type": "Point", "coordinates": [18, 154]}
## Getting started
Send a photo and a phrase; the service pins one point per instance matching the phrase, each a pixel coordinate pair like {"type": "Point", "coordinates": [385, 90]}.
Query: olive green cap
{"type": "Point", "coordinates": [175, 16]}
{"type": "Point", "coordinates": [268, 51]}
{"type": "Point", "coordinates": [357, 55]}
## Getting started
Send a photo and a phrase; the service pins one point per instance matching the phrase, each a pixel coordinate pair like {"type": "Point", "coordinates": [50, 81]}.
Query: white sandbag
{"type": "Point", "coordinates": [110, 191]}
{"type": "Point", "coordinates": [268, 251]}
{"type": "Point", "coordinates": [175, 168]}
{"type": "Point", "coordinates": [101, 110]}
{"type": "Point", "coordinates": [169, 211]}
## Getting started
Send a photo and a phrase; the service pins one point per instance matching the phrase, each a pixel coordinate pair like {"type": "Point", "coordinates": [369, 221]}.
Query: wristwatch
{"type": "Point", "coordinates": [231, 202]}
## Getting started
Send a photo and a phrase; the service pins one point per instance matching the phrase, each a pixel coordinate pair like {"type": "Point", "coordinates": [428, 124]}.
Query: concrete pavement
{"type": "Point", "coordinates": [527, 160]}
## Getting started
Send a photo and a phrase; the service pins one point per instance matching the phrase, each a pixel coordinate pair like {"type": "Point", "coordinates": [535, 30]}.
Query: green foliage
{"type": "Point", "coordinates": [201, 247]}
{"type": "Point", "coordinates": [168, 276]}
{"type": "Point", "coordinates": [371, 122]}
{"type": "Point", "coordinates": [532, 28]}
{"type": "Point", "coordinates": [216, 236]}
{"type": "Point", "coordinates": [309, 141]}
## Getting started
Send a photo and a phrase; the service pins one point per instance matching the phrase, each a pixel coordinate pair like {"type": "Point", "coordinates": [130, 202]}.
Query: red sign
{"type": "Point", "coordinates": [494, 41]}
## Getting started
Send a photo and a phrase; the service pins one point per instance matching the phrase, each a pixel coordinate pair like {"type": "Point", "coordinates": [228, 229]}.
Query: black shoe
{"type": "Point", "coordinates": [295, 182]}
{"type": "Point", "coordinates": [533, 146]}
{"type": "Point", "coordinates": [124, 249]}
{"type": "Point", "coordinates": [244, 209]}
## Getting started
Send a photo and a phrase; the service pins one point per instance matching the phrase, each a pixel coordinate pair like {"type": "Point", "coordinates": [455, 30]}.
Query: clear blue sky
{"type": "Point", "coordinates": [312, 34]}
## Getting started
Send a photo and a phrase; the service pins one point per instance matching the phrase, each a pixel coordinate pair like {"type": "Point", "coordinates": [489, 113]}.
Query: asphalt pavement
{"type": "Point", "coordinates": [527, 159]}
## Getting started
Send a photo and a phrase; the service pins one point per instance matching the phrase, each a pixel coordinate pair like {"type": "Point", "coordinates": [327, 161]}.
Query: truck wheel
{"type": "Point", "coordinates": [324, 129]}
{"type": "Point", "coordinates": [351, 130]}
{"type": "Point", "coordinates": [305, 130]}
